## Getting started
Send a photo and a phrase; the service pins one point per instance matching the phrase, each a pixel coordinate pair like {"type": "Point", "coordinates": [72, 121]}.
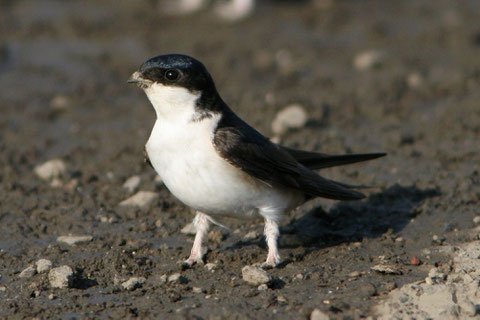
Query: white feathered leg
{"type": "Point", "coordinates": [271, 235]}
{"type": "Point", "coordinates": [202, 224]}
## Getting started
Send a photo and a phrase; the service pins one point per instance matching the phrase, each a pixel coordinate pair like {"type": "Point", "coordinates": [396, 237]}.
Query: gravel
{"type": "Point", "coordinates": [43, 265]}
{"type": "Point", "coordinates": [51, 169]}
{"type": "Point", "coordinates": [28, 272]}
{"type": "Point", "coordinates": [73, 240]}
{"type": "Point", "coordinates": [132, 183]}
{"type": "Point", "coordinates": [291, 117]}
{"type": "Point", "coordinates": [133, 283]}
{"type": "Point", "coordinates": [141, 199]}
{"type": "Point", "coordinates": [255, 275]}
{"type": "Point", "coordinates": [61, 277]}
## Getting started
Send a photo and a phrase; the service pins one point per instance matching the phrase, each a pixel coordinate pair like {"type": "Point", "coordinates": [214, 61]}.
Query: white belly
{"type": "Point", "coordinates": [185, 158]}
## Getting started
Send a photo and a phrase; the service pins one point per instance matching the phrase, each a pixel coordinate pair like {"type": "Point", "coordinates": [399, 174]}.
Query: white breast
{"type": "Point", "coordinates": [183, 154]}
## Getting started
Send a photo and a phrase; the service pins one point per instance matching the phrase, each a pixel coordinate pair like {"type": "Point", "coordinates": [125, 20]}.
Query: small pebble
{"type": "Point", "coordinates": [414, 80]}
{"type": "Point", "coordinates": [368, 60]}
{"type": "Point", "coordinates": [43, 265]}
{"type": "Point", "coordinates": [438, 240]}
{"type": "Point", "coordinates": [132, 183]}
{"type": "Point", "coordinates": [386, 268]}
{"type": "Point", "coordinates": [291, 117]}
{"type": "Point", "coordinates": [141, 199]}
{"type": "Point", "coordinates": [177, 277]}
{"type": "Point", "coordinates": [59, 103]}
{"type": "Point", "coordinates": [197, 290]}
{"type": "Point", "coordinates": [61, 277]}
{"type": "Point", "coordinates": [159, 223]}
{"type": "Point", "coordinates": [133, 283]}
{"type": "Point", "coordinates": [476, 220]}
{"type": "Point", "coordinates": [318, 314]}
{"type": "Point", "coordinates": [299, 276]}
{"type": "Point", "coordinates": [354, 274]}
{"type": "Point", "coordinates": [182, 7]}
{"type": "Point", "coordinates": [189, 229]}
{"type": "Point", "coordinates": [415, 261]}
{"type": "Point", "coordinates": [252, 235]}
{"type": "Point", "coordinates": [28, 272]}
{"type": "Point", "coordinates": [51, 296]}
{"type": "Point", "coordinates": [282, 300]}
{"type": "Point", "coordinates": [73, 240]}
{"type": "Point", "coordinates": [51, 169]}
{"type": "Point", "coordinates": [3, 288]}
{"type": "Point", "coordinates": [211, 266]}
{"type": "Point", "coordinates": [262, 287]}
{"type": "Point", "coordinates": [255, 275]}
{"type": "Point", "coordinates": [235, 10]}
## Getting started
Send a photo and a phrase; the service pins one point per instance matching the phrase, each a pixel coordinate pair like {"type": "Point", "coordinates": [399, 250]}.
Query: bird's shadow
{"type": "Point", "coordinates": [389, 210]}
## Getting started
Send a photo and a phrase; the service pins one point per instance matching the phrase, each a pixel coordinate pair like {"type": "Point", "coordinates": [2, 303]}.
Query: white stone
{"type": "Point", "coordinates": [43, 265]}
{"type": "Point", "coordinates": [262, 287]}
{"type": "Point", "coordinates": [133, 283]}
{"type": "Point", "coordinates": [51, 169]}
{"type": "Point", "coordinates": [211, 266]}
{"type": "Point", "coordinates": [386, 268]}
{"type": "Point", "coordinates": [291, 117]}
{"type": "Point", "coordinates": [182, 7]}
{"type": "Point", "coordinates": [415, 80]}
{"type": "Point", "coordinates": [252, 235]}
{"type": "Point", "coordinates": [174, 277]}
{"type": "Point", "coordinates": [235, 10]}
{"type": "Point", "coordinates": [28, 272]}
{"type": "Point", "coordinates": [141, 199]}
{"type": "Point", "coordinates": [132, 183]}
{"type": "Point", "coordinates": [60, 102]}
{"type": "Point", "coordinates": [476, 220]}
{"type": "Point", "coordinates": [318, 314]}
{"type": "Point", "coordinates": [368, 60]}
{"type": "Point", "coordinates": [189, 229]}
{"type": "Point", "coordinates": [177, 277]}
{"type": "Point", "coordinates": [61, 277]}
{"type": "Point", "coordinates": [73, 240]}
{"type": "Point", "coordinates": [197, 290]}
{"type": "Point", "coordinates": [255, 275]}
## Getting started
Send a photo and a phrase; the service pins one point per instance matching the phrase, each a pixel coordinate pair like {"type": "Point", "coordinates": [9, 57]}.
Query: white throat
{"type": "Point", "coordinates": [173, 104]}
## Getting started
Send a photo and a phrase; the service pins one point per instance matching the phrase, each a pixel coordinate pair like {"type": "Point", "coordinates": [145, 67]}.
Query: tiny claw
{"type": "Point", "coordinates": [268, 265]}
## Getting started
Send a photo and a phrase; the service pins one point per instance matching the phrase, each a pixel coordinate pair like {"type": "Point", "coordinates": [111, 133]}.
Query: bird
{"type": "Point", "coordinates": [220, 166]}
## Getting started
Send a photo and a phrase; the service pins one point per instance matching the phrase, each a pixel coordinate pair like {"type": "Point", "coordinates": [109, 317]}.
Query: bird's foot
{"type": "Point", "coordinates": [196, 257]}
{"type": "Point", "coordinates": [272, 262]}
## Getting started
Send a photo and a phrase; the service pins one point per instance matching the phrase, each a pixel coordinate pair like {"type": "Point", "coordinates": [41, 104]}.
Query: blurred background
{"type": "Point", "coordinates": [401, 77]}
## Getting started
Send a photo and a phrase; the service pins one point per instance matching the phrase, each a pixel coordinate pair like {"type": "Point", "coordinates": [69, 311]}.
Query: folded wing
{"type": "Point", "coordinates": [248, 150]}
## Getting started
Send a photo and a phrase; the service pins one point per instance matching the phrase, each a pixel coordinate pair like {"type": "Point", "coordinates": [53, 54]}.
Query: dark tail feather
{"type": "Point", "coordinates": [334, 190]}
{"type": "Point", "coordinates": [315, 161]}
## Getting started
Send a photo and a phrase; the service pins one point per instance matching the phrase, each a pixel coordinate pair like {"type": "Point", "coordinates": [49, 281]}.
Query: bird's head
{"type": "Point", "coordinates": [176, 82]}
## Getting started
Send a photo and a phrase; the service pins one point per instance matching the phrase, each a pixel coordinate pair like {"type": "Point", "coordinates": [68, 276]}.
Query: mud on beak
{"type": "Point", "coordinates": [137, 78]}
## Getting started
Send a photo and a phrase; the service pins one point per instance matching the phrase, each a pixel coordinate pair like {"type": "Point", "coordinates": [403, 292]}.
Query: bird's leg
{"type": "Point", "coordinates": [202, 224]}
{"type": "Point", "coordinates": [271, 235]}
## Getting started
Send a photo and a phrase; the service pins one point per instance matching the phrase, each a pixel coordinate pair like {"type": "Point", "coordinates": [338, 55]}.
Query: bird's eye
{"type": "Point", "coordinates": [172, 75]}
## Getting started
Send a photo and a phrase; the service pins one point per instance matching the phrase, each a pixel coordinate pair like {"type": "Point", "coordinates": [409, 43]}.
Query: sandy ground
{"type": "Point", "coordinates": [63, 71]}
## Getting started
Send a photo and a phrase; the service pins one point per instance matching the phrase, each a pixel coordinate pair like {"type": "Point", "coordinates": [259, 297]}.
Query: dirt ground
{"type": "Point", "coordinates": [63, 72]}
